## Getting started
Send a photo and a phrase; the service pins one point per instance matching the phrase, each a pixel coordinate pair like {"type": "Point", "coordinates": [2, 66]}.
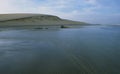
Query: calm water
{"type": "Point", "coordinates": [86, 50]}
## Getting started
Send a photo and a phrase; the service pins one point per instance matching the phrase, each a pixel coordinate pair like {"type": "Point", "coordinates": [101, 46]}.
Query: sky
{"type": "Point", "coordinates": [91, 11]}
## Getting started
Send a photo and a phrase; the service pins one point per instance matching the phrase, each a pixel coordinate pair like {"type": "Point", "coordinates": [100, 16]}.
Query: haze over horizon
{"type": "Point", "coordinates": [91, 11]}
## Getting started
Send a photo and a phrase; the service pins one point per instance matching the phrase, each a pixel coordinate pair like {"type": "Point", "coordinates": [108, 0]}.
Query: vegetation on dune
{"type": "Point", "coordinates": [35, 20]}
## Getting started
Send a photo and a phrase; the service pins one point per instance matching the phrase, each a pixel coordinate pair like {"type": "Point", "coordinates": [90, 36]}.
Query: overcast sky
{"type": "Point", "coordinates": [92, 11]}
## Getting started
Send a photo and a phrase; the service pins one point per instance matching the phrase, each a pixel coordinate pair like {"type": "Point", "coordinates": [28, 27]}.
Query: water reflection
{"type": "Point", "coordinates": [87, 50]}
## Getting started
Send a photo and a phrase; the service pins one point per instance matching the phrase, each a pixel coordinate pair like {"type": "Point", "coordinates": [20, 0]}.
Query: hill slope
{"type": "Point", "coordinates": [34, 19]}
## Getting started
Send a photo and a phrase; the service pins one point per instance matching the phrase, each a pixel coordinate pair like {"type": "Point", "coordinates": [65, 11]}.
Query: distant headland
{"type": "Point", "coordinates": [36, 20]}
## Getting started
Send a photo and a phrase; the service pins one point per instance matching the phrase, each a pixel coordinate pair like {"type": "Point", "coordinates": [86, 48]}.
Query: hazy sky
{"type": "Point", "coordinates": [93, 11]}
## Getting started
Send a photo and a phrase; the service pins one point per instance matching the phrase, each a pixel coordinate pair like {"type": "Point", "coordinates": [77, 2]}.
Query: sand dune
{"type": "Point", "coordinates": [4, 17]}
{"type": "Point", "coordinates": [34, 19]}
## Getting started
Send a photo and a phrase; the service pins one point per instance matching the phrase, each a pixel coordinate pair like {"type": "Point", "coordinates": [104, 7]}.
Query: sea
{"type": "Point", "coordinates": [83, 50]}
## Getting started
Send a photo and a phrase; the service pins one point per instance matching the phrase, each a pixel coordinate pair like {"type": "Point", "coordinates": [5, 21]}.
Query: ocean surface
{"type": "Point", "coordinates": [85, 50]}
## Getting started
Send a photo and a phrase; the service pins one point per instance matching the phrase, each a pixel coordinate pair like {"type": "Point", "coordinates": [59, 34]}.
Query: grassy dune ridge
{"type": "Point", "coordinates": [34, 19]}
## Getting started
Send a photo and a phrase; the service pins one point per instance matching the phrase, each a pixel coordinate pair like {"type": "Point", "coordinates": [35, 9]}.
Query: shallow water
{"type": "Point", "coordinates": [86, 50]}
